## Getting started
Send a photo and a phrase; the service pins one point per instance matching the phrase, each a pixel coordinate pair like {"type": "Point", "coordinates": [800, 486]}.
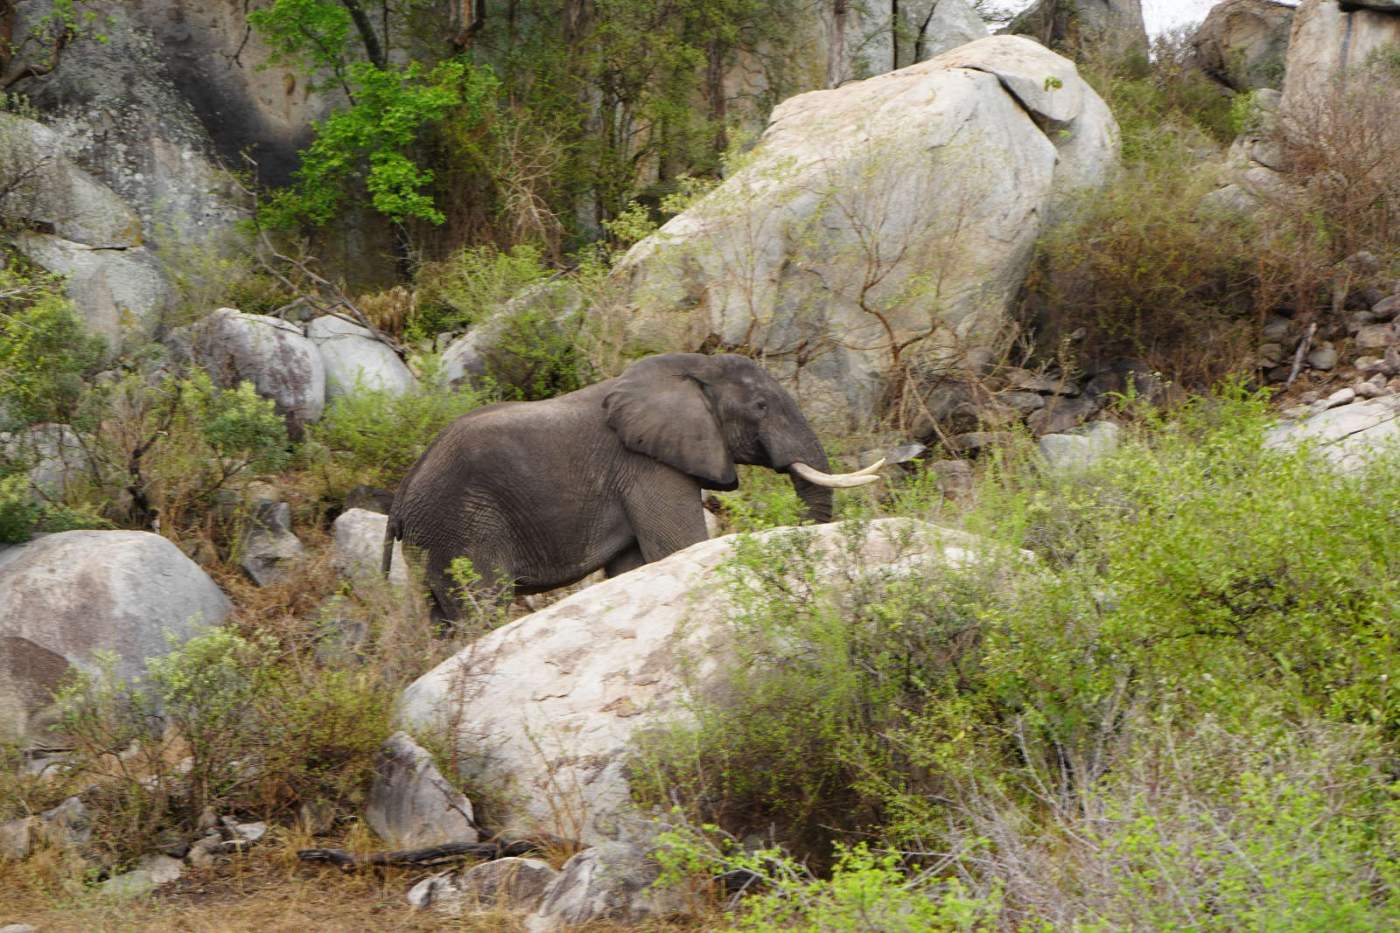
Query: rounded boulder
{"type": "Point", "coordinates": [67, 598]}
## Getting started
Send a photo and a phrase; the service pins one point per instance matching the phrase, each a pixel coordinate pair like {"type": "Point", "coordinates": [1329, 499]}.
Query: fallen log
{"type": "Point", "coordinates": [433, 855]}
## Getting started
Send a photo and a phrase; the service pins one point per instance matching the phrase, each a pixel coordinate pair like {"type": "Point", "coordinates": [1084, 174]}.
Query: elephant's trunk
{"type": "Point", "coordinates": [816, 500]}
{"type": "Point", "coordinates": [798, 443]}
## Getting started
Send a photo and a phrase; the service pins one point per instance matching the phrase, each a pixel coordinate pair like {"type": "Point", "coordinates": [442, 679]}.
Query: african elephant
{"type": "Point", "coordinates": [541, 494]}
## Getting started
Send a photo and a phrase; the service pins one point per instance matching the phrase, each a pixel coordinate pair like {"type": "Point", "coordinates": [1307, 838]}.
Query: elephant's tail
{"type": "Point", "coordinates": [391, 534]}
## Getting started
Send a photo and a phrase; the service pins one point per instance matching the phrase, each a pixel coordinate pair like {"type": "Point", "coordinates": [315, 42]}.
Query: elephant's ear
{"type": "Point", "coordinates": [658, 408]}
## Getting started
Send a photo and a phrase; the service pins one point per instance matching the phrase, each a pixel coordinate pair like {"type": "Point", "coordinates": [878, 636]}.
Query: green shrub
{"type": "Point", "coordinates": [165, 447]}
{"type": "Point", "coordinates": [261, 731]}
{"type": "Point", "coordinates": [1201, 649]}
{"type": "Point", "coordinates": [45, 351]}
{"type": "Point", "coordinates": [19, 513]}
{"type": "Point", "coordinates": [864, 891]}
{"type": "Point", "coordinates": [467, 288]}
{"type": "Point", "coordinates": [374, 437]}
{"type": "Point", "coordinates": [1146, 273]}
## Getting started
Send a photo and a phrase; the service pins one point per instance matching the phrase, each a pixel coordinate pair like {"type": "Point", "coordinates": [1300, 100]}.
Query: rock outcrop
{"type": "Point", "coordinates": [877, 224]}
{"type": "Point", "coordinates": [1243, 43]}
{"type": "Point", "coordinates": [78, 227]}
{"type": "Point", "coordinates": [66, 597]}
{"type": "Point", "coordinates": [544, 710]}
{"type": "Point", "coordinates": [1349, 435]}
{"type": "Point", "coordinates": [1330, 38]}
{"type": "Point", "coordinates": [1085, 28]}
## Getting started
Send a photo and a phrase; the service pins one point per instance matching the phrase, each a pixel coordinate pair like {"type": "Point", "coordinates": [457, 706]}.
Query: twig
{"type": "Point", "coordinates": [1301, 353]}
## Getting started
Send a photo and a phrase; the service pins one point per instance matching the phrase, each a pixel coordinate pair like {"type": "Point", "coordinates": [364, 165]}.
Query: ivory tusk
{"type": "Point", "coordinates": [836, 480]}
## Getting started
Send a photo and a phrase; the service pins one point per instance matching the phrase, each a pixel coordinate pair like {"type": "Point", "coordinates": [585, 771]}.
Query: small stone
{"type": "Point", "coordinates": [1061, 414]}
{"type": "Point", "coordinates": [1276, 329]}
{"type": "Point", "coordinates": [1358, 320]}
{"type": "Point", "coordinates": [435, 890]}
{"type": "Point", "coordinates": [1369, 364]}
{"type": "Point", "coordinates": [202, 852]}
{"type": "Point", "coordinates": [1297, 412]}
{"type": "Point", "coordinates": [974, 441]}
{"type": "Point", "coordinates": [1375, 336]}
{"type": "Point", "coordinates": [247, 833]}
{"type": "Point", "coordinates": [1386, 308]}
{"type": "Point", "coordinates": [151, 872]}
{"type": "Point", "coordinates": [208, 820]}
{"type": "Point", "coordinates": [68, 823]}
{"type": "Point", "coordinates": [954, 477]}
{"type": "Point", "coordinates": [1323, 357]}
{"type": "Point", "coordinates": [18, 928]}
{"type": "Point", "coordinates": [1024, 402]}
{"type": "Point", "coordinates": [508, 882]}
{"type": "Point", "coordinates": [1310, 396]}
{"type": "Point", "coordinates": [1268, 355]}
{"type": "Point", "coordinates": [1367, 390]}
{"type": "Point", "coordinates": [1082, 449]}
{"type": "Point", "coordinates": [411, 805]}
{"type": "Point", "coordinates": [16, 838]}
{"type": "Point", "coordinates": [1044, 383]}
{"type": "Point", "coordinates": [1338, 398]}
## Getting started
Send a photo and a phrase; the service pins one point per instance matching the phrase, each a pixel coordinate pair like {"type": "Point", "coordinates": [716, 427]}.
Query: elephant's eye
{"type": "Point", "coordinates": [761, 406]}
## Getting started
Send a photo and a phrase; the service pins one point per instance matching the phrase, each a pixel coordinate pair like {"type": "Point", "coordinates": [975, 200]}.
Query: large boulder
{"type": "Point", "coordinates": [120, 294]}
{"type": "Point", "coordinates": [355, 359]}
{"type": "Point", "coordinates": [273, 354]}
{"type": "Point", "coordinates": [1328, 39]}
{"type": "Point", "coordinates": [222, 70]}
{"type": "Point", "coordinates": [544, 711]}
{"type": "Point", "coordinates": [65, 598]}
{"type": "Point", "coordinates": [1087, 29]}
{"type": "Point", "coordinates": [1243, 43]}
{"type": "Point", "coordinates": [876, 225]}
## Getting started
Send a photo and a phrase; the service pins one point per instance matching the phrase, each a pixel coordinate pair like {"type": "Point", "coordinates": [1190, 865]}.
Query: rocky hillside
{"type": "Point", "coordinates": [1096, 338]}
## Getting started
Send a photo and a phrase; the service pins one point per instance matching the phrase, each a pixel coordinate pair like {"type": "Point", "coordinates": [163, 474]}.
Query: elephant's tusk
{"type": "Point", "coordinates": [837, 480]}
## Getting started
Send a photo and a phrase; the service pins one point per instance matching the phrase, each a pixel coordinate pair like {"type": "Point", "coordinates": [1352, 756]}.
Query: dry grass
{"type": "Point", "coordinates": [267, 891]}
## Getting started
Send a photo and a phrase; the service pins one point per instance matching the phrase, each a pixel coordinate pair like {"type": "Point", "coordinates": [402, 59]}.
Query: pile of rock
{"type": "Point", "coordinates": [1362, 349]}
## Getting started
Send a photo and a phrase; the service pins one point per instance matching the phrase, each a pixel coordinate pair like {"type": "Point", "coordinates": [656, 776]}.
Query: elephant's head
{"type": "Point", "coordinates": [704, 414]}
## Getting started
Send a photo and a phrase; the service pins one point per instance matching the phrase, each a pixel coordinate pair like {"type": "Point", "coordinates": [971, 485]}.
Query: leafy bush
{"type": "Point", "coordinates": [45, 352]}
{"type": "Point", "coordinates": [373, 437]}
{"type": "Point", "coordinates": [1193, 672]}
{"type": "Point", "coordinates": [865, 891]}
{"type": "Point", "coordinates": [165, 447]}
{"type": "Point", "coordinates": [258, 733]}
{"type": "Point", "coordinates": [19, 513]}
{"type": "Point", "coordinates": [466, 289]}
{"type": "Point", "coordinates": [1148, 274]}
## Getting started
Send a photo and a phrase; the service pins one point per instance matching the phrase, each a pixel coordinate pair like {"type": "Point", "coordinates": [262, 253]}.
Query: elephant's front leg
{"type": "Point", "coordinates": [664, 508]}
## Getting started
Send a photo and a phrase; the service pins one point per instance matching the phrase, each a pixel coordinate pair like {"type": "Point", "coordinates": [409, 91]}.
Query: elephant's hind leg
{"type": "Point", "coordinates": [629, 559]}
{"type": "Point", "coordinates": [490, 586]}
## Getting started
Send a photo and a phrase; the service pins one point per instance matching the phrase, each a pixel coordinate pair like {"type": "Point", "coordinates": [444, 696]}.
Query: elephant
{"type": "Point", "coordinates": [540, 494]}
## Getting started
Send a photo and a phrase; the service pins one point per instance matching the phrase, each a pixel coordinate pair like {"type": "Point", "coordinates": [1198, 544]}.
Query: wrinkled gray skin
{"type": "Point", "coordinates": [544, 493]}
